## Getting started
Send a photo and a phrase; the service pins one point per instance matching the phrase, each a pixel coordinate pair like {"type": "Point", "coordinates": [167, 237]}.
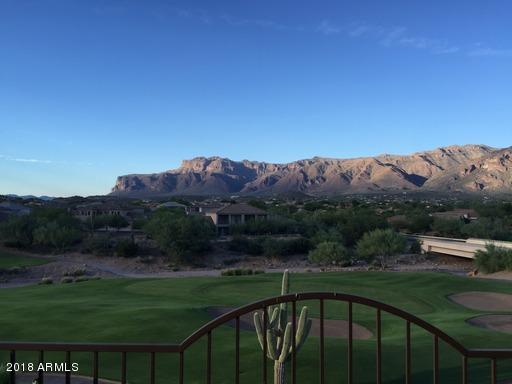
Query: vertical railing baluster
{"type": "Point", "coordinates": [95, 371]}
{"type": "Point", "coordinates": [379, 348]}
{"type": "Point", "coordinates": [494, 371]}
{"type": "Point", "coordinates": [322, 346]}
{"type": "Point", "coordinates": [182, 367]}
{"type": "Point", "coordinates": [294, 342]}
{"type": "Point", "coordinates": [40, 375]}
{"type": "Point", "coordinates": [464, 370]}
{"type": "Point", "coordinates": [408, 353]}
{"type": "Point", "coordinates": [13, 372]}
{"type": "Point", "coordinates": [68, 367]}
{"type": "Point", "coordinates": [123, 368]}
{"type": "Point", "coordinates": [152, 368]}
{"type": "Point", "coordinates": [350, 344]}
{"type": "Point", "coordinates": [265, 346]}
{"type": "Point", "coordinates": [237, 351]}
{"type": "Point", "coordinates": [436, 359]}
{"type": "Point", "coordinates": [209, 359]}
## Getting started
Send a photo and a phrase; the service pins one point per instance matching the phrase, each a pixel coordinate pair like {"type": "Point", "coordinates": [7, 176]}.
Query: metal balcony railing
{"type": "Point", "coordinates": [234, 316]}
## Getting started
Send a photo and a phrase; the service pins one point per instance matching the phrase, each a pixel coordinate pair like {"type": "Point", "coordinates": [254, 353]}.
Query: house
{"type": "Point", "coordinates": [86, 212]}
{"type": "Point", "coordinates": [226, 216]}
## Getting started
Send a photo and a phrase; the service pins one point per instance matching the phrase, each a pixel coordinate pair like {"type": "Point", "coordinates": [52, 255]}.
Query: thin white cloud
{"type": "Point", "coordinates": [480, 50]}
{"type": "Point", "coordinates": [42, 161]}
{"type": "Point", "coordinates": [392, 36]}
{"type": "Point", "coordinates": [327, 28]}
{"type": "Point", "coordinates": [206, 17]}
{"type": "Point", "coordinates": [399, 36]}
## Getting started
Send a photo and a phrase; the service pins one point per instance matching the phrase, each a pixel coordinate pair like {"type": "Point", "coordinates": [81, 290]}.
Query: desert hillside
{"type": "Point", "coordinates": [467, 168]}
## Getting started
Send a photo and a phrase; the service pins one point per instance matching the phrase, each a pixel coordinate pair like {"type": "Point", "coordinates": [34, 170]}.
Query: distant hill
{"type": "Point", "coordinates": [467, 168]}
{"type": "Point", "coordinates": [29, 197]}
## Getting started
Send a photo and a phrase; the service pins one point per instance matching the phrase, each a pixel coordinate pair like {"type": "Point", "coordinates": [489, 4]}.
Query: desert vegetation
{"type": "Point", "coordinates": [494, 259]}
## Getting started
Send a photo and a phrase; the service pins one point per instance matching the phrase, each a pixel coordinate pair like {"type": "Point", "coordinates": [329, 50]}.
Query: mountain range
{"type": "Point", "coordinates": [466, 168]}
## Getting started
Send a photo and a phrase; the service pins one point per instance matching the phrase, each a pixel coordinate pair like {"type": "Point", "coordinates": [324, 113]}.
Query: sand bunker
{"type": "Point", "coordinates": [332, 328]}
{"type": "Point", "coordinates": [484, 301]}
{"type": "Point", "coordinates": [499, 323]}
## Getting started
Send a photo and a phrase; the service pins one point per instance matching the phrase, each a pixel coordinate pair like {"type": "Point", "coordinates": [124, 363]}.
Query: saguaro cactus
{"type": "Point", "coordinates": [279, 333]}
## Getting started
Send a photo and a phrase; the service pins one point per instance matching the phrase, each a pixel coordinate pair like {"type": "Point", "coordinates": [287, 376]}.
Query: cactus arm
{"type": "Point", "coordinates": [285, 284]}
{"type": "Point", "coordinates": [272, 352]}
{"type": "Point", "coordinates": [305, 333]}
{"type": "Point", "coordinates": [285, 289]}
{"type": "Point", "coordinates": [274, 316]}
{"type": "Point", "coordinates": [303, 328]}
{"type": "Point", "coordinates": [302, 320]}
{"type": "Point", "coordinates": [259, 328]}
{"type": "Point", "coordinates": [287, 338]}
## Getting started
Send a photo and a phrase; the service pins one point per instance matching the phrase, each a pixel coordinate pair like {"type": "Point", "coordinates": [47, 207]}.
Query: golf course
{"type": "Point", "coordinates": [168, 310]}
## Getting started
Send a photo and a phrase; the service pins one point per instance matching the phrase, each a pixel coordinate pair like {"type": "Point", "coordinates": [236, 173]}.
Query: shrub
{"type": "Point", "coordinates": [273, 226]}
{"type": "Point", "coordinates": [285, 247]}
{"type": "Point", "coordinates": [379, 245]}
{"type": "Point", "coordinates": [179, 235]}
{"type": "Point", "coordinates": [415, 247]}
{"type": "Point", "coordinates": [493, 259]}
{"type": "Point", "coordinates": [244, 245]}
{"type": "Point", "coordinates": [46, 281]}
{"type": "Point", "coordinates": [99, 246]}
{"type": "Point", "coordinates": [76, 272]}
{"type": "Point", "coordinates": [112, 221]}
{"type": "Point", "coordinates": [448, 228]}
{"type": "Point", "coordinates": [126, 248]}
{"type": "Point", "coordinates": [329, 253]}
{"type": "Point", "coordinates": [330, 235]}
{"type": "Point", "coordinates": [66, 280]}
{"type": "Point", "coordinates": [51, 227]}
{"type": "Point", "coordinates": [240, 272]}
{"type": "Point", "coordinates": [488, 228]}
{"type": "Point", "coordinates": [56, 235]}
{"type": "Point", "coordinates": [419, 223]}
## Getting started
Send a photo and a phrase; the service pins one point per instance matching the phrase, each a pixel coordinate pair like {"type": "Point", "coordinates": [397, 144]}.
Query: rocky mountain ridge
{"type": "Point", "coordinates": [467, 168]}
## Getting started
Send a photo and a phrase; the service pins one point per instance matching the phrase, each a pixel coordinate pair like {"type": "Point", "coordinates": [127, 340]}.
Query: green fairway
{"type": "Point", "coordinates": [168, 310]}
{"type": "Point", "coordinates": [10, 260]}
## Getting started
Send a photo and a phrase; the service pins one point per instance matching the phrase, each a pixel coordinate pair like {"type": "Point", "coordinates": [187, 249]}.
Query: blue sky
{"type": "Point", "coordinates": [90, 90]}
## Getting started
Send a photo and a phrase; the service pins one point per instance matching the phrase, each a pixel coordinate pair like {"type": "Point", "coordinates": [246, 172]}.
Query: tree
{"type": "Point", "coordinates": [180, 235]}
{"type": "Point", "coordinates": [112, 221]}
{"type": "Point", "coordinates": [45, 226]}
{"type": "Point", "coordinates": [56, 235]}
{"type": "Point", "coordinates": [117, 222]}
{"type": "Point", "coordinates": [19, 230]}
{"type": "Point", "coordinates": [329, 253]}
{"type": "Point", "coordinates": [379, 245]}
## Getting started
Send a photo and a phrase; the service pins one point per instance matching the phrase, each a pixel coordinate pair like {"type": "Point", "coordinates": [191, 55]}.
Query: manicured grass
{"type": "Point", "coordinates": [10, 260]}
{"type": "Point", "coordinates": [168, 310]}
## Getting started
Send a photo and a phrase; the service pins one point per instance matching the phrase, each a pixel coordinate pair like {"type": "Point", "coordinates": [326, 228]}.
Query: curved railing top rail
{"type": "Point", "coordinates": [258, 305]}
